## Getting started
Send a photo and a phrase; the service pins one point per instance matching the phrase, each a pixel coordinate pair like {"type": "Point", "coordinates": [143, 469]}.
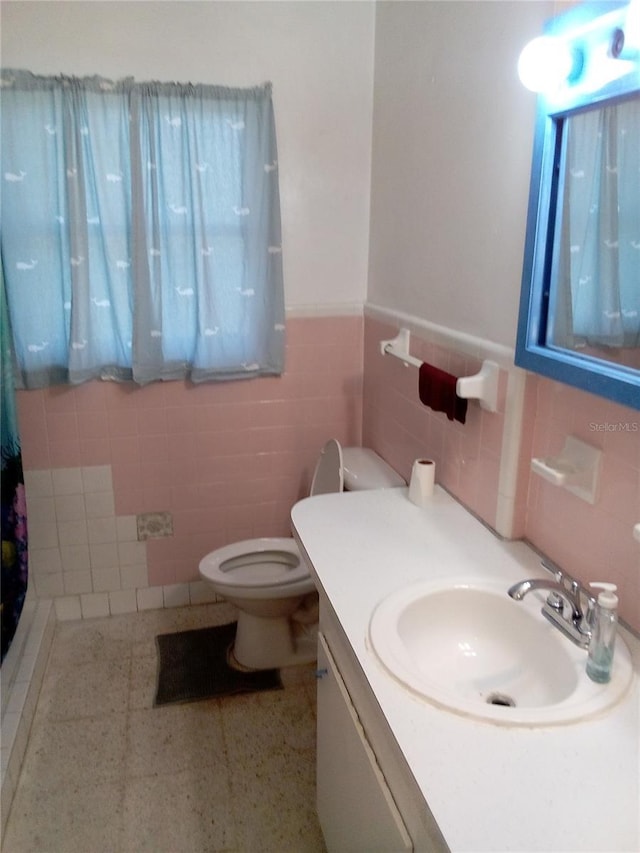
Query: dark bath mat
{"type": "Point", "coordinates": [192, 665]}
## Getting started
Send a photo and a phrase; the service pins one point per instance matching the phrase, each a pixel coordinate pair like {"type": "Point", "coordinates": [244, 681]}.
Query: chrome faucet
{"type": "Point", "coordinates": [563, 607]}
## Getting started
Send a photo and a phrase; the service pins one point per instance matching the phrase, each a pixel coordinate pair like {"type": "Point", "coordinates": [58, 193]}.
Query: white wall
{"type": "Point", "coordinates": [452, 142]}
{"type": "Point", "coordinates": [319, 56]}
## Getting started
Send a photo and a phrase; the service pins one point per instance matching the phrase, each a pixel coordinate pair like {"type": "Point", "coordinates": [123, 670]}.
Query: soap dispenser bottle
{"type": "Point", "coordinates": [603, 638]}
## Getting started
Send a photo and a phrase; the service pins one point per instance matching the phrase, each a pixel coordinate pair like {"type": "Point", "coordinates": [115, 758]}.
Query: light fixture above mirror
{"type": "Point", "coordinates": [549, 62]}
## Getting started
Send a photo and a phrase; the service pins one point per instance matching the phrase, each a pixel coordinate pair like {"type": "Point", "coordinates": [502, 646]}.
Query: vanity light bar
{"type": "Point", "coordinates": [590, 56]}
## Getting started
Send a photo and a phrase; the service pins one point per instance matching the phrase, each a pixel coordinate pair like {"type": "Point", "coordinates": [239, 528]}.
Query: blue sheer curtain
{"type": "Point", "coordinates": [598, 290]}
{"type": "Point", "coordinates": [141, 230]}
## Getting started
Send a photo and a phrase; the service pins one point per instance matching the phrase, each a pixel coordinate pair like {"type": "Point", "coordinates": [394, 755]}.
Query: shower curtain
{"type": "Point", "coordinates": [14, 509]}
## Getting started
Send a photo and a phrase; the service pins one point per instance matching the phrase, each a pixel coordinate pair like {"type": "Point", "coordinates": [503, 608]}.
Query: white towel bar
{"type": "Point", "coordinates": [399, 347]}
{"type": "Point", "coordinates": [483, 386]}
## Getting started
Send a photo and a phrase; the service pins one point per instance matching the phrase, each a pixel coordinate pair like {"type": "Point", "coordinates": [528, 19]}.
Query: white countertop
{"type": "Point", "coordinates": [560, 788]}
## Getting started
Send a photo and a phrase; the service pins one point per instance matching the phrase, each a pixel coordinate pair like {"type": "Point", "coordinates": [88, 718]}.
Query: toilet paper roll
{"type": "Point", "coordinates": [423, 478]}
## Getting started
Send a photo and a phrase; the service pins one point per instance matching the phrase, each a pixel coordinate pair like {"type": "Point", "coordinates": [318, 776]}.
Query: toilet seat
{"type": "Point", "coordinates": [267, 564]}
{"type": "Point", "coordinates": [268, 579]}
{"type": "Point", "coordinates": [272, 566]}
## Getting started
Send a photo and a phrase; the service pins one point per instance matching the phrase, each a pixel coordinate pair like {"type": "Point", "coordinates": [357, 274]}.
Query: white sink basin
{"type": "Point", "coordinates": [468, 647]}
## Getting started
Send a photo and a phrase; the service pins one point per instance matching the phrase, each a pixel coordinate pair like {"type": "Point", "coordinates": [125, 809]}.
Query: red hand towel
{"type": "Point", "coordinates": [437, 389]}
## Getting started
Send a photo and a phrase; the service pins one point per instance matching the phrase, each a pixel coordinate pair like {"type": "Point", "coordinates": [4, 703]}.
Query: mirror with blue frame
{"type": "Point", "coordinates": [580, 306]}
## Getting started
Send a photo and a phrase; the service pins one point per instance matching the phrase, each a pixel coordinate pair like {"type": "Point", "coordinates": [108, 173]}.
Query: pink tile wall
{"type": "Point", "coordinates": [401, 428]}
{"type": "Point", "coordinates": [228, 460]}
{"type": "Point", "coordinates": [591, 542]}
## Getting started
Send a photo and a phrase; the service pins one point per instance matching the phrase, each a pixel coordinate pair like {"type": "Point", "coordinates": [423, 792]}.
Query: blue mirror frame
{"type": "Point", "coordinates": [592, 23]}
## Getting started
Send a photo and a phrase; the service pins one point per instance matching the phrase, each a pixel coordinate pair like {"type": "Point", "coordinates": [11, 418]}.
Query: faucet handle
{"type": "Point", "coordinates": [555, 601]}
{"type": "Point", "coordinates": [554, 569]}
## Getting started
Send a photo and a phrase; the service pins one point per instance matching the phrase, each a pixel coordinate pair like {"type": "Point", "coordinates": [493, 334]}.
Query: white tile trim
{"type": "Point", "coordinates": [337, 309]}
{"type": "Point", "coordinates": [510, 453]}
{"type": "Point", "coordinates": [468, 344]}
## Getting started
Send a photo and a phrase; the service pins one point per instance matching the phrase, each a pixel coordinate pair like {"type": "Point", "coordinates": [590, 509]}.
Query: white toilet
{"type": "Point", "coordinates": [268, 579]}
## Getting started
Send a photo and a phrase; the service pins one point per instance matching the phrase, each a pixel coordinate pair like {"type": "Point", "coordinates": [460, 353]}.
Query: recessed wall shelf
{"type": "Point", "coordinates": [576, 469]}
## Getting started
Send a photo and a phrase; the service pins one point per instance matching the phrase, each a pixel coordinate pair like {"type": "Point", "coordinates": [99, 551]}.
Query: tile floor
{"type": "Point", "coordinates": [105, 772]}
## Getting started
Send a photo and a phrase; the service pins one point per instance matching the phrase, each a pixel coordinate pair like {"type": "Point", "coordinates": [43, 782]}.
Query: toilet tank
{"type": "Point", "coordinates": [364, 469]}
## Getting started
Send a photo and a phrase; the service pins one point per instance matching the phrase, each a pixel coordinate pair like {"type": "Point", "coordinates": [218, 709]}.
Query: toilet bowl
{"type": "Point", "coordinates": [269, 581]}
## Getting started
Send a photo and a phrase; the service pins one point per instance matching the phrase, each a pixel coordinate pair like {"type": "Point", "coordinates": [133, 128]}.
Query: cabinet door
{"type": "Point", "coordinates": [355, 807]}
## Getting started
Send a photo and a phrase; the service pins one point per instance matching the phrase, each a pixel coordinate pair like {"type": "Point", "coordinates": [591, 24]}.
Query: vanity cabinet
{"type": "Point", "coordinates": [366, 796]}
{"type": "Point", "coordinates": [355, 807]}
{"type": "Point", "coordinates": [454, 780]}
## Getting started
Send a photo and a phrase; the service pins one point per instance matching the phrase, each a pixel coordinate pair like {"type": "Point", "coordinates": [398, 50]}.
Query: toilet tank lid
{"type": "Point", "coordinates": [364, 469]}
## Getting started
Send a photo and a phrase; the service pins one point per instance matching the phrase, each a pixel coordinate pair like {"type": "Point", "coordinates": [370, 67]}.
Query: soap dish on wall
{"type": "Point", "coordinates": [576, 469]}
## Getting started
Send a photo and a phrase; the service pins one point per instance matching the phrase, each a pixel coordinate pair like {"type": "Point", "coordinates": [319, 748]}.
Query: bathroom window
{"type": "Point", "coordinates": [141, 230]}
